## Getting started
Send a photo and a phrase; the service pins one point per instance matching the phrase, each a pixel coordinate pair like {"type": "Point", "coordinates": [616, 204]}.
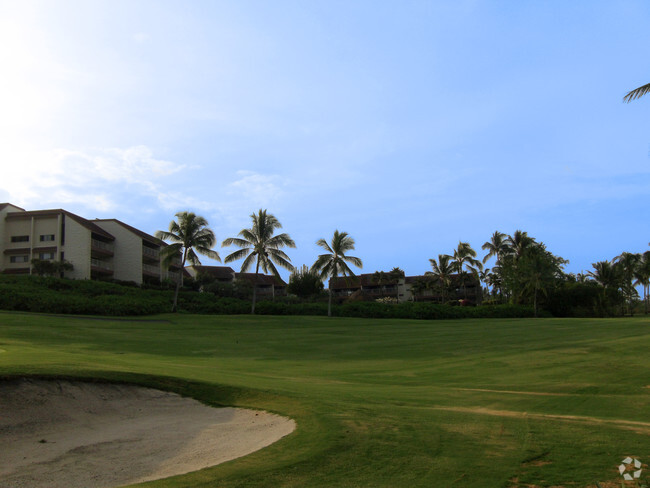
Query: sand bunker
{"type": "Point", "coordinates": [61, 434]}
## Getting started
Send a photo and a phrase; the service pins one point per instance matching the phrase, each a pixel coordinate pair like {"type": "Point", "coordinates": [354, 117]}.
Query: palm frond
{"type": "Point", "coordinates": [354, 260]}
{"type": "Point", "coordinates": [323, 243]}
{"type": "Point", "coordinates": [234, 241]}
{"type": "Point", "coordinates": [237, 255]}
{"type": "Point", "coordinates": [206, 251]}
{"type": "Point", "coordinates": [192, 257]}
{"type": "Point", "coordinates": [637, 93]}
{"type": "Point", "coordinates": [166, 236]}
{"type": "Point", "coordinates": [248, 262]}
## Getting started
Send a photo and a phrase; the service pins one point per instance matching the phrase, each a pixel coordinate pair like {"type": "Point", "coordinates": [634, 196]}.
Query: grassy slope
{"type": "Point", "coordinates": [381, 403]}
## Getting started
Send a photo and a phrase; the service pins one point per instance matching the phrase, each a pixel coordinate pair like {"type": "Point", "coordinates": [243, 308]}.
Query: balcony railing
{"type": "Point", "coordinates": [105, 246]}
{"type": "Point", "coordinates": [148, 268]}
{"type": "Point", "coordinates": [98, 263]}
{"type": "Point", "coordinates": [151, 253]}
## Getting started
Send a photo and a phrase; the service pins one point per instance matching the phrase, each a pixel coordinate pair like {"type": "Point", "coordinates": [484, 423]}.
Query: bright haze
{"type": "Point", "coordinates": [411, 125]}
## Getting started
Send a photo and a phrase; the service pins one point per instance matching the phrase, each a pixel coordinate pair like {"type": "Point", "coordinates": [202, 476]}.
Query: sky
{"type": "Point", "coordinates": [411, 125]}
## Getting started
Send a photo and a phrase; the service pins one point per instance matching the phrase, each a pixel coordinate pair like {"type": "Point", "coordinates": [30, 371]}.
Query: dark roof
{"type": "Point", "coordinates": [366, 279]}
{"type": "Point", "coordinates": [218, 272]}
{"type": "Point", "coordinates": [342, 282]}
{"type": "Point", "coordinates": [469, 279]}
{"type": "Point", "coordinates": [261, 279]}
{"type": "Point", "coordinates": [46, 213]}
{"type": "Point", "coordinates": [138, 232]}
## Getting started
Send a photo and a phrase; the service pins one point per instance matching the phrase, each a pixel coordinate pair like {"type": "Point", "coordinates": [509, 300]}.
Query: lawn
{"type": "Point", "coordinates": [380, 403]}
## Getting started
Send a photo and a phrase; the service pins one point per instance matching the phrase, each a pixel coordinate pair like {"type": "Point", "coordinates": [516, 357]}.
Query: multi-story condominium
{"type": "Point", "coordinates": [137, 254]}
{"type": "Point", "coordinates": [99, 249]}
{"type": "Point", "coordinates": [54, 235]}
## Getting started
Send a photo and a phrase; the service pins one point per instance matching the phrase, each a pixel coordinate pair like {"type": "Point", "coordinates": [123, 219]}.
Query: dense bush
{"type": "Point", "coordinates": [55, 295]}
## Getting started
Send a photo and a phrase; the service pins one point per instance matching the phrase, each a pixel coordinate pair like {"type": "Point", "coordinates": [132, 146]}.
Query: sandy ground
{"type": "Point", "coordinates": [60, 434]}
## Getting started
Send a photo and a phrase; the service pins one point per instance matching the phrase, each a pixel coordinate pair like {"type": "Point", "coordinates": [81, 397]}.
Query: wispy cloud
{"type": "Point", "coordinates": [101, 179]}
{"type": "Point", "coordinates": [258, 190]}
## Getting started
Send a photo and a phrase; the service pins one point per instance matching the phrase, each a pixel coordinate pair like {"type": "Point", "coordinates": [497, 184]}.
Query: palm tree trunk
{"type": "Point", "coordinates": [257, 271]}
{"type": "Point", "coordinates": [329, 303]}
{"type": "Point", "coordinates": [178, 283]}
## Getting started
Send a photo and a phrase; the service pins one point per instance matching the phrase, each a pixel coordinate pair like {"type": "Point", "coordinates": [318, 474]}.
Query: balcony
{"type": "Point", "coordinates": [100, 248]}
{"type": "Point", "coordinates": [175, 277]}
{"type": "Point", "coordinates": [101, 266]}
{"type": "Point", "coordinates": [150, 270]}
{"type": "Point", "coordinates": [150, 254]}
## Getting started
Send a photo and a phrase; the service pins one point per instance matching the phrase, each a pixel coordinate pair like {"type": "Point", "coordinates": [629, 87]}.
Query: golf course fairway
{"type": "Point", "coordinates": [378, 403]}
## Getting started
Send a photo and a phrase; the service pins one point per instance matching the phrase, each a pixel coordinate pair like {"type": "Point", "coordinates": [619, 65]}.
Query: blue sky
{"type": "Point", "coordinates": [411, 125]}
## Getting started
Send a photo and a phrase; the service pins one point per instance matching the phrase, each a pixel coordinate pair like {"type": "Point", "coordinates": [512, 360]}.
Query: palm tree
{"type": "Point", "coordinates": [442, 271]}
{"type": "Point", "coordinates": [259, 245]}
{"type": "Point", "coordinates": [636, 93]}
{"type": "Point", "coordinates": [628, 263]}
{"type": "Point", "coordinates": [518, 242]}
{"type": "Point", "coordinates": [396, 274]}
{"type": "Point", "coordinates": [608, 276]}
{"type": "Point", "coordinates": [189, 234]}
{"type": "Point", "coordinates": [334, 262]}
{"type": "Point", "coordinates": [380, 278]}
{"type": "Point", "coordinates": [497, 246]}
{"type": "Point", "coordinates": [642, 275]}
{"type": "Point", "coordinates": [484, 277]}
{"type": "Point", "coordinates": [465, 258]}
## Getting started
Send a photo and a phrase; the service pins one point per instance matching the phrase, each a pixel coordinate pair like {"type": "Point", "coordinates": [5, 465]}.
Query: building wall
{"type": "Point", "coordinates": [46, 227]}
{"type": "Point", "coordinates": [127, 260]}
{"type": "Point", "coordinates": [77, 249]}
{"type": "Point", "coordinates": [6, 244]}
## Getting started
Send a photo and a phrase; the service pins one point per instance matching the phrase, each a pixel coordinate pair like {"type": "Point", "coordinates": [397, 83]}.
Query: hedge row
{"type": "Point", "coordinates": [53, 295]}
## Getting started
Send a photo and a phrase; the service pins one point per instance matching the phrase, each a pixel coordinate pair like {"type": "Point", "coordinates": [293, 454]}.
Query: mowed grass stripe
{"type": "Point", "coordinates": [380, 402]}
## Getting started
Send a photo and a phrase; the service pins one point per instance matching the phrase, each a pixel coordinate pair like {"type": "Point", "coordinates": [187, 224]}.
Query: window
{"type": "Point", "coordinates": [46, 255]}
{"type": "Point", "coordinates": [19, 238]}
{"type": "Point", "coordinates": [47, 237]}
{"type": "Point", "coordinates": [18, 259]}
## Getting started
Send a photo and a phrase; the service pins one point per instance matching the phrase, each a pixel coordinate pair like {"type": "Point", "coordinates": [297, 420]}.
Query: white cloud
{"type": "Point", "coordinates": [101, 179]}
{"type": "Point", "coordinates": [257, 189]}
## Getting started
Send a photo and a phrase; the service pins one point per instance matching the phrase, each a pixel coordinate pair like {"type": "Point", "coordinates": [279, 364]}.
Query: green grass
{"type": "Point", "coordinates": [380, 403]}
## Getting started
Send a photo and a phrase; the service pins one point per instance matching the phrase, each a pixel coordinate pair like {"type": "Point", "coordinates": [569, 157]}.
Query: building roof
{"type": "Point", "coordinates": [59, 211]}
{"type": "Point", "coordinates": [260, 279]}
{"type": "Point", "coordinates": [7, 204]}
{"type": "Point", "coordinates": [218, 272]}
{"type": "Point", "coordinates": [366, 279]}
{"type": "Point", "coordinates": [138, 232]}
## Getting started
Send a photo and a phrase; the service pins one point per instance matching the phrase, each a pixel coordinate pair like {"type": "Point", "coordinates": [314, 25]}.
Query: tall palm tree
{"type": "Point", "coordinates": [484, 277]}
{"type": "Point", "coordinates": [189, 234]}
{"type": "Point", "coordinates": [464, 258]}
{"type": "Point", "coordinates": [258, 245]}
{"type": "Point", "coordinates": [628, 263]}
{"type": "Point", "coordinates": [636, 93]}
{"type": "Point", "coordinates": [605, 274]}
{"type": "Point", "coordinates": [518, 242]}
{"type": "Point", "coordinates": [396, 274]}
{"type": "Point", "coordinates": [334, 262]}
{"type": "Point", "coordinates": [497, 246]}
{"type": "Point", "coordinates": [642, 275]}
{"type": "Point", "coordinates": [442, 271]}
{"type": "Point", "coordinates": [608, 276]}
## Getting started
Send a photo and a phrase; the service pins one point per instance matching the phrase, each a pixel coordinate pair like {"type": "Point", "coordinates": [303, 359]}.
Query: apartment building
{"type": "Point", "coordinates": [138, 254]}
{"type": "Point", "coordinates": [407, 288]}
{"type": "Point", "coordinates": [99, 249]}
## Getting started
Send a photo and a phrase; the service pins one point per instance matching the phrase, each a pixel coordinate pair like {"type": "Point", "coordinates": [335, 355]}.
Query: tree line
{"type": "Point", "coordinates": [524, 271]}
